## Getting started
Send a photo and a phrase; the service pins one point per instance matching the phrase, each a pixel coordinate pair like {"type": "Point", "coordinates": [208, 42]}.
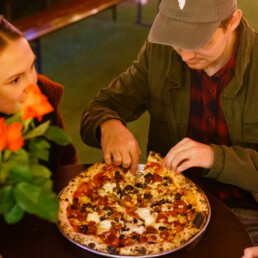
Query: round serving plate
{"type": "Point", "coordinates": [193, 240]}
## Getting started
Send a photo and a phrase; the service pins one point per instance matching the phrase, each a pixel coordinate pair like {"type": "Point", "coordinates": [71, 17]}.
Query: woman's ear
{"type": "Point", "coordinates": [236, 18]}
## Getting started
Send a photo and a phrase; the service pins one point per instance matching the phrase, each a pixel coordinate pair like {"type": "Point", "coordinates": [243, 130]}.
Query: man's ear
{"type": "Point", "coordinates": [236, 17]}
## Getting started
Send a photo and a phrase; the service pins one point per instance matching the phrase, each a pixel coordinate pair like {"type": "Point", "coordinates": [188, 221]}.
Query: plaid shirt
{"type": "Point", "coordinates": [207, 123]}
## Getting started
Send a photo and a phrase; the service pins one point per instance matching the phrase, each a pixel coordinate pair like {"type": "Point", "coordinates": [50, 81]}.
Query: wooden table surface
{"type": "Point", "coordinates": [225, 237]}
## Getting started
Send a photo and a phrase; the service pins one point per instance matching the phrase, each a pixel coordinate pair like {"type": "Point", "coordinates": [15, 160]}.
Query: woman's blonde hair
{"type": "Point", "coordinates": [8, 32]}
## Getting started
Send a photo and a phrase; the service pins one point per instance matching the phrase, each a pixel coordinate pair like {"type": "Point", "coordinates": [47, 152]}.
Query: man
{"type": "Point", "coordinates": [196, 76]}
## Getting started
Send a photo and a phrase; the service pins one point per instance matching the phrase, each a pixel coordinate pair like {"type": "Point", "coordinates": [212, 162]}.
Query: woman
{"type": "Point", "coordinates": [17, 71]}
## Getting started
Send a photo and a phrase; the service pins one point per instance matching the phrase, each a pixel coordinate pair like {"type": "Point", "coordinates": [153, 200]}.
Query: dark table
{"type": "Point", "coordinates": [35, 238]}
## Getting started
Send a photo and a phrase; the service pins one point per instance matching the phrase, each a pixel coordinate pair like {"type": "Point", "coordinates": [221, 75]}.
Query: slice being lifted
{"type": "Point", "coordinates": [107, 209]}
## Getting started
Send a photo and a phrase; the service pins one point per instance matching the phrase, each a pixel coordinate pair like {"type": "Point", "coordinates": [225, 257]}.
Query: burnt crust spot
{"type": "Point", "coordinates": [91, 245]}
{"type": "Point", "coordinates": [198, 220]}
{"type": "Point", "coordinates": [111, 249]}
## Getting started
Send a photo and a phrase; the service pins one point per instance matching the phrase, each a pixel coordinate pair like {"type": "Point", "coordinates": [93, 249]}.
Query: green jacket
{"type": "Point", "coordinates": [159, 81]}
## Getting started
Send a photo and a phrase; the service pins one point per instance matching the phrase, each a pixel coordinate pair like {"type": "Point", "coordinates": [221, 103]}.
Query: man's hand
{"type": "Point", "coordinates": [251, 252]}
{"type": "Point", "coordinates": [188, 153]}
{"type": "Point", "coordinates": [119, 145]}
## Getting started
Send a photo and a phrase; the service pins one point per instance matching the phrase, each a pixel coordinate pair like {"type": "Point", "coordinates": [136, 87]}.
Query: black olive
{"type": "Point", "coordinates": [73, 207]}
{"type": "Point", "coordinates": [111, 249]}
{"type": "Point", "coordinates": [107, 208]}
{"type": "Point", "coordinates": [128, 188]}
{"type": "Point", "coordinates": [116, 219]}
{"type": "Point", "coordinates": [135, 220]}
{"type": "Point", "coordinates": [125, 228]}
{"type": "Point", "coordinates": [83, 210]}
{"type": "Point", "coordinates": [189, 206]}
{"type": "Point", "coordinates": [165, 184]}
{"type": "Point", "coordinates": [177, 196]}
{"type": "Point", "coordinates": [136, 237]}
{"type": "Point", "coordinates": [160, 202]}
{"type": "Point", "coordinates": [89, 205]}
{"type": "Point", "coordinates": [139, 185]}
{"type": "Point", "coordinates": [91, 245]}
{"type": "Point", "coordinates": [183, 214]}
{"type": "Point", "coordinates": [121, 237]}
{"type": "Point", "coordinates": [162, 228]}
{"type": "Point", "coordinates": [102, 218]}
{"type": "Point", "coordinates": [75, 199]}
{"type": "Point", "coordinates": [148, 178]}
{"type": "Point", "coordinates": [118, 175]}
{"type": "Point", "coordinates": [167, 179]}
{"type": "Point", "coordinates": [148, 195]}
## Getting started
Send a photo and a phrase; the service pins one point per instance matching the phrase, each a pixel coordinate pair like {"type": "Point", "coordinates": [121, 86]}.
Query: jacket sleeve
{"type": "Point", "coordinates": [124, 99]}
{"type": "Point", "coordinates": [235, 165]}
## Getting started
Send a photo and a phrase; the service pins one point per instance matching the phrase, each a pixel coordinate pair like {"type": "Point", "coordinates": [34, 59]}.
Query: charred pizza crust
{"type": "Point", "coordinates": [107, 209]}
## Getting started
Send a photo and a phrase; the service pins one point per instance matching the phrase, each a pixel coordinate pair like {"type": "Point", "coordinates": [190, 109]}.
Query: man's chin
{"type": "Point", "coordinates": [196, 66]}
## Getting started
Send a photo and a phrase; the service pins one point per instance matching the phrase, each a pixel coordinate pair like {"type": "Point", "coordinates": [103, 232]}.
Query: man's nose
{"type": "Point", "coordinates": [187, 54]}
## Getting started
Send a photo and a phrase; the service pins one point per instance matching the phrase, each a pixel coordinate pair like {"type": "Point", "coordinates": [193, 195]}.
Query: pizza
{"type": "Point", "coordinates": [108, 209]}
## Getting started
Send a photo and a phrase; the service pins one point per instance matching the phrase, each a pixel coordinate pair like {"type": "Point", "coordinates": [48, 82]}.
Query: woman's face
{"type": "Point", "coordinates": [17, 71]}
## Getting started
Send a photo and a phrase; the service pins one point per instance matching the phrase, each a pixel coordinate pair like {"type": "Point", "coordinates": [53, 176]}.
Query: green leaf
{"type": "Point", "coordinates": [45, 184]}
{"type": "Point", "coordinates": [27, 196]}
{"type": "Point", "coordinates": [20, 173]}
{"type": "Point", "coordinates": [21, 156]}
{"type": "Point", "coordinates": [43, 204]}
{"type": "Point", "coordinates": [57, 135]}
{"type": "Point", "coordinates": [48, 206]}
{"type": "Point", "coordinates": [14, 215]}
{"type": "Point", "coordinates": [7, 154]}
{"type": "Point", "coordinates": [14, 118]}
{"type": "Point", "coordinates": [4, 172]}
{"type": "Point", "coordinates": [39, 148]}
{"type": "Point", "coordinates": [6, 198]}
{"type": "Point", "coordinates": [38, 170]}
{"type": "Point", "coordinates": [37, 131]}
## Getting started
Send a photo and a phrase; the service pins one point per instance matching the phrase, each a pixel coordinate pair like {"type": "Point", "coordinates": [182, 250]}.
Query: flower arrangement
{"type": "Point", "coordinates": [25, 184]}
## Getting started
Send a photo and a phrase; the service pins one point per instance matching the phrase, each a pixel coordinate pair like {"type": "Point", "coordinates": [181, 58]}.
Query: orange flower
{"type": "Point", "coordinates": [14, 137]}
{"type": "Point", "coordinates": [3, 130]}
{"type": "Point", "coordinates": [35, 104]}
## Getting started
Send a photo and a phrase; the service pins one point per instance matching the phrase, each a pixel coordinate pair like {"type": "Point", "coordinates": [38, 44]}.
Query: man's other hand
{"type": "Point", "coordinates": [188, 153]}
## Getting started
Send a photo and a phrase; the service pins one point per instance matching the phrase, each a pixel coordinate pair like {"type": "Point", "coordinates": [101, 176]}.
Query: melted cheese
{"type": "Point", "coordinates": [108, 187]}
{"type": "Point", "coordinates": [93, 217]}
{"type": "Point", "coordinates": [133, 228]}
{"type": "Point", "coordinates": [144, 213]}
{"type": "Point", "coordinates": [104, 226]}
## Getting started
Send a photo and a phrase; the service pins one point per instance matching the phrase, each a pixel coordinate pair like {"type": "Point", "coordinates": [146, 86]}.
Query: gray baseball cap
{"type": "Point", "coordinates": [189, 24]}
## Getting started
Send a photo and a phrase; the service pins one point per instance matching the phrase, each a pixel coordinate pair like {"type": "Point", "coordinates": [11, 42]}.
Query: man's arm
{"type": "Point", "coordinates": [103, 123]}
{"type": "Point", "coordinates": [119, 145]}
{"type": "Point", "coordinates": [232, 165]}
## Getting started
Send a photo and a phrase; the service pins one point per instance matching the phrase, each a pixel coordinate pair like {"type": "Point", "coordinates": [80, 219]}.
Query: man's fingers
{"type": "Point", "coordinates": [134, 163]}
{"type": "Point", "coordinates": [117, 158]}
{"type": "Point", "coordinates": [107, 158]}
